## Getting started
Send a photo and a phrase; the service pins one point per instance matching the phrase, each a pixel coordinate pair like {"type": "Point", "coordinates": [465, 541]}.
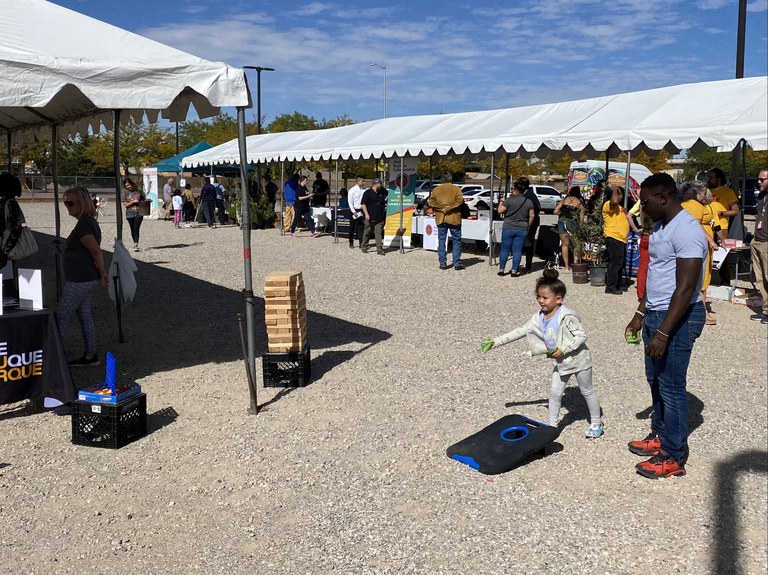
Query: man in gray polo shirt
{"type": "Point", "coordinates": [671, 316]}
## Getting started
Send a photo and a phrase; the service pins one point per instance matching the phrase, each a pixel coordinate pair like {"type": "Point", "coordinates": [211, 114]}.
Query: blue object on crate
{"type": "Point", "coordinates": [109, 392]}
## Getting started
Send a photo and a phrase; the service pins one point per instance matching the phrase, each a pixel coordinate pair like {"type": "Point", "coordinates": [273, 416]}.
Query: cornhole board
{"type": "Point", "coordinates": [503, 445]}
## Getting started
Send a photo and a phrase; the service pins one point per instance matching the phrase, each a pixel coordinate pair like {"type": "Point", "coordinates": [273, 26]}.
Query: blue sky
{"type": "Point", "coordinates": [450, 56]}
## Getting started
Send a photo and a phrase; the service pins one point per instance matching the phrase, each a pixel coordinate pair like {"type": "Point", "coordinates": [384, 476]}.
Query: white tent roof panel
{"type": "Point", "coordinates": [73, 70]}
{"type": "Point", "coordinates": [718, 114]}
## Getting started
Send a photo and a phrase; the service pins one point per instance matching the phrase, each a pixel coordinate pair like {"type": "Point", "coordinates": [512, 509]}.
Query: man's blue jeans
{"type": "Point", "coordinates": [442, 238]}
{"type": "Point", "coordinates": [667, 378]}
{"type": "Point", "coordinates": [512, 240]}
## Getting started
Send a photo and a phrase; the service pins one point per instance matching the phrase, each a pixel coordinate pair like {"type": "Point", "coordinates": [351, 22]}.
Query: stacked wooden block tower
{"type": "Point", "coordinates": [285, 312]}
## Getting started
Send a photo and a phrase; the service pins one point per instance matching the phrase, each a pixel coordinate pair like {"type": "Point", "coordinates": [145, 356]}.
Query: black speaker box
{"type": "Point", "coordinates": [503, 445]}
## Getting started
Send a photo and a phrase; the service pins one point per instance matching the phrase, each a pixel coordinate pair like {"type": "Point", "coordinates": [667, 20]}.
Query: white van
{"type": "Point", "coordinates": [586, 174]}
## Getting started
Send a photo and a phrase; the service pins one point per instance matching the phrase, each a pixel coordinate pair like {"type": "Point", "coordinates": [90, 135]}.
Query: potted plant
{"type": "Point", "coordinates": [261, 212]}
{"type": "Point", "coordinates": [579, 267]}
{"type": "Point", "coordinates": [592, 247]}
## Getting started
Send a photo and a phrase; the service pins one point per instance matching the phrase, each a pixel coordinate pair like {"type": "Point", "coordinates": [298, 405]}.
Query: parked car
{"type": "Point", "coordinates": [548, 197]}
{"type": "Point", "coordinates": [473, 196]}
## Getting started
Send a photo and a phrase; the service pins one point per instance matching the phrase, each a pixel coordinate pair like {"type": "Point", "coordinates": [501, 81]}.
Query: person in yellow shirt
{"type": "Point", "coordinates": [727, 197]}
{"type": "Point", "coordinates": [697, 204]}
{"type": "Point", "coordinates": [616, 232]}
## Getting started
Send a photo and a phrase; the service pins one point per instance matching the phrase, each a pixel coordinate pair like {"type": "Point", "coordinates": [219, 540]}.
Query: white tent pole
{"type": "Point", "coordinates": [247, 271]}
{"type": "Point", "coordinates": [56, 210]}
{"type": "Point", "coordinates": [336, 209]}
{"type": "Point", "coordinates": [118, 179]}
{"type": "Point", "coordinates": [282, 197]}
{"type": "Point", "coordinates": [119, 223]}
{"type": "Point", "coordinates": [400, 187]}
{"type": "Point", "coordinates": [490, 220]}
{"type": "Point", "coordinates": [626, 179]}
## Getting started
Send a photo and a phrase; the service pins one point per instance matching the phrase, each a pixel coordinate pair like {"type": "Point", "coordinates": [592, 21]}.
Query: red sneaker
{"type": "Point", "coordinates": [660, 466]}
{"type": "Point", "coordinates": [651, 445]}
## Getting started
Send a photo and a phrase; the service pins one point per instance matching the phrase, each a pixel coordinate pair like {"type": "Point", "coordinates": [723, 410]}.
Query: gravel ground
{"type": "Point", "coordinates": [349, 474]}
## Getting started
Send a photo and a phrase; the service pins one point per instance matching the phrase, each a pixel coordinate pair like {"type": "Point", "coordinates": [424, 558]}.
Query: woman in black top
{"type": "Point", "coordinates": [84, 270]}
{"type": "Point", "coordinates": [570, 211]}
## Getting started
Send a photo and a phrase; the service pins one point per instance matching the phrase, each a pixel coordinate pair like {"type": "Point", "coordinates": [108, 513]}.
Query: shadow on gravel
{"type": "Point", "coordinates": [725, 519]}
{"type": "Point", "coordinates": [695, 413]}
{"type": "Point", "coordinates": [178, 321]}
{"type": "Point", "coordinates": [161, 418]}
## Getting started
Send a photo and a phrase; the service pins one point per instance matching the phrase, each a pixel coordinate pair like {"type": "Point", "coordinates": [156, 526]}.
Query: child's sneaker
{"type": "Point", "coordinates": [595, 430]}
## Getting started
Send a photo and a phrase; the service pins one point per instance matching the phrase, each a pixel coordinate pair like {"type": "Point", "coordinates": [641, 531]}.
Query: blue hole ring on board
{"type": "Point", "coordinates": [514, 433]}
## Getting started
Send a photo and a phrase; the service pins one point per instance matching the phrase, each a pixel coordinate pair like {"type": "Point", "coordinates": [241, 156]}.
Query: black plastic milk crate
{"type": "Point", "coordinates": [109, 425]}
{"type": "Point", "coordinates": [289, 369]}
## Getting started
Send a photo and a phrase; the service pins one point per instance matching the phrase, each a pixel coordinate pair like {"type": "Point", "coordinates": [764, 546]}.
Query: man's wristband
{"type": "Point", "coordinates": [662, 333]}
{"type": "Point", "coordinates": [638, 312]}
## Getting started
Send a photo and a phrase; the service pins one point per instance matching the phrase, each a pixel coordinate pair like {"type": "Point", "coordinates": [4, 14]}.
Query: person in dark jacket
{"type": "Point", "coordinates": [530, 240]}
{"type": "Point", "coordinates": [208, 201]}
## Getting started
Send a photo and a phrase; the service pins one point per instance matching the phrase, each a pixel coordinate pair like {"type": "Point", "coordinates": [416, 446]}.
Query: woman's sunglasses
{"type": "Point", "coordinates": [68, 203]}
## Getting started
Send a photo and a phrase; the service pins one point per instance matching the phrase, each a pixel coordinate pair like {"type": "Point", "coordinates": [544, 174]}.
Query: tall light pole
{"type": "Point", "coordinates": [259, 70]}
{"type": "Point", "coordinates": [385, 85]}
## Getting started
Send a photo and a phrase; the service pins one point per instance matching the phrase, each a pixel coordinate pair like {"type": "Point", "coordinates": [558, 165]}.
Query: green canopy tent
{"type": "Point", "coordinates": [173, 164]}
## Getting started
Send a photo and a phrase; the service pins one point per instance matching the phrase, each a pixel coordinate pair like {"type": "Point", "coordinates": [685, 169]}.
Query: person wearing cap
{"type": "Point", "coordinates": [374, 206]}
{"type": "Point", "coordinates": [445, 200]}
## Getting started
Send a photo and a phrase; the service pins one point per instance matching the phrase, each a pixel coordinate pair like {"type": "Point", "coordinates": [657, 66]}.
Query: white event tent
{"type": "Point", "coordinates": [64, 73]}
{"type": "Point", "coordinates": [717, 114]}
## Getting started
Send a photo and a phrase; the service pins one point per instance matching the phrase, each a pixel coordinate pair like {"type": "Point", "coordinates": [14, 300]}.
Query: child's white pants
{"type": "Point", "coordinates": [584, 379]}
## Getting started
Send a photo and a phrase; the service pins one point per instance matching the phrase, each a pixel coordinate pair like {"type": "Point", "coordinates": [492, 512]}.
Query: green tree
{"type": "Point", "coordinates": [140, 145]}
{"type": "Point", "coordinates": [708, 158]}
{"type": "Point", "coordinates": [295, 122]}
{"type": "Point", "coordinates": [217, 130]}
{"type": "Point", "coordinates": [74, 161]}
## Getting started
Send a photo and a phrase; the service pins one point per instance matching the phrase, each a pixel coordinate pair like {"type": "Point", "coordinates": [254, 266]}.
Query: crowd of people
{"type": "Point", "coordinates": [680, 227]}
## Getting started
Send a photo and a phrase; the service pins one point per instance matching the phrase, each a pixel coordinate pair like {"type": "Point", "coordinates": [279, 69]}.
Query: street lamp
{"type": "Point", "coordinates": [259, 70]}
{"type": "Point", "coordinates": [385, 85]}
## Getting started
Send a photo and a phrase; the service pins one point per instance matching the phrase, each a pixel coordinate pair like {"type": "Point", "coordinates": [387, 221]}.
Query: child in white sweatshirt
{"type": "Point", "coordinates": [556, 331]}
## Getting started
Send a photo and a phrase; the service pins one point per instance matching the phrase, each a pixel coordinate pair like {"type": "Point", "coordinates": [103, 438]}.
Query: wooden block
{"type": "Point", "coordinates": [283, 310]}
{"type": "Point", "coordinates": [285, 340]}
{"type": "Point", "coordinates": [283, 279]}
{"type": "Point", "coordinates": [283, 291]}
{"type": "Point", "coordinates": [282, 300]}
{"type": "Point", "coordinates": [282, 329]}
{"type": "Point", "coordinates": [284, 348]}
{"type": "Point", "coordinates": [285, 321]}
{"type": "Point", "coordinates": [286, 305]}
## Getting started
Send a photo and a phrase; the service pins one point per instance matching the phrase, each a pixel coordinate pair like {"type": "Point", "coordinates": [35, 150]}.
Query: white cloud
{"type": "Point", "coordinates": [714, 4]}
{"type": "Point", "coordinates": [536, 51]}
{"type": "Point", "coordinates": [757, 6]}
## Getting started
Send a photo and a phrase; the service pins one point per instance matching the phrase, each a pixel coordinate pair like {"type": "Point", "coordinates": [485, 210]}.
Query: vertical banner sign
{"type": "Point", "coordinates": [400, 184]}
{"type": "Point", "coordinates": [150, 191]}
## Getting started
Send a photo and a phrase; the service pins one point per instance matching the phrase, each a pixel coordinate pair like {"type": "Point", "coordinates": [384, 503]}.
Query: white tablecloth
{"type": "Point", "coordinates": [470, 229]}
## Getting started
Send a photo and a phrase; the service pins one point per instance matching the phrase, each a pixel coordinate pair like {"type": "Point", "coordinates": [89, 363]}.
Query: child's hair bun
{"type": "Point", "coordinates": [551, 273]}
